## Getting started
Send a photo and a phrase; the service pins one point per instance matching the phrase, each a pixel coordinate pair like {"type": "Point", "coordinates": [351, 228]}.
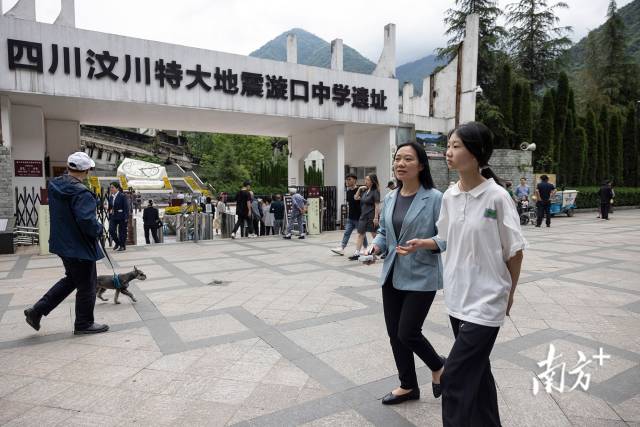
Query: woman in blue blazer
{"type": "Point", "coordinates": [409, 283]}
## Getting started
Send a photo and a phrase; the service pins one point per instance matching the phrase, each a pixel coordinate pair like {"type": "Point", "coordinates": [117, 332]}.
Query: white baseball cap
{"type": "Point", "coordinates": [80, 161]}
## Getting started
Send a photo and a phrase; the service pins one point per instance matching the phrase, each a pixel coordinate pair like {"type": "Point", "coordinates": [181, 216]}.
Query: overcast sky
{"type": "Point", "coordinates": [242, 26]}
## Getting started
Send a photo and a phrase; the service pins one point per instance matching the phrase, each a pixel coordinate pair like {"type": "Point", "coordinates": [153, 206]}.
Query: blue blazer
{"type": "Point", "coordinates": [421, 270]}
{"type": "Point", "coordinates": [119, 208]}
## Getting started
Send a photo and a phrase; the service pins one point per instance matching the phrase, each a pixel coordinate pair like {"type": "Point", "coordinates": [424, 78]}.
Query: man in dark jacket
{"type": "Point", "coordinates": [118, 216]}
{"type": "Point", "coordinates": [545, 191]}
{"type": "Point", "coordinates": [277, 209]}
{"type": "Point", "coordinates": [74, 238]}
{"type": "Point", "coordinates": [151, 220]}
{"type": "Point", "coordinates": [606, 194]}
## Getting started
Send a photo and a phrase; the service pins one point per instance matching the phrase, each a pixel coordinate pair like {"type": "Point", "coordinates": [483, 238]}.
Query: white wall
{"type": "Point", "coordinates": [371, 148]}
{"type": "Point", "coordinates": [28, 136]}
{"type": "Point", "coordinates": [469, 78]}
{"type": "Point", "coordinates": [318, 157]}
{"type": "Point", "coordinates": [63, 138]}
{"type": "Point", "coordinates": [61, 84]}
{"type": "Point", "coordinates": [5, 120]}
{"type": "Point", "coordinates": [444, 103]}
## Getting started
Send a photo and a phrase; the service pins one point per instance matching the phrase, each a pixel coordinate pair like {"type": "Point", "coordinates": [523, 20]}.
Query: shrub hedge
{"type": "Point", "coordinates": [625, 196]}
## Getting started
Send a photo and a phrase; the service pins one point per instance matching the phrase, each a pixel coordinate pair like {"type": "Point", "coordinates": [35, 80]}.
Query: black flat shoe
{"type": "Point", "coordinates": [437, 388]}
{"type": "Point", "coordinates": [392, 399]}
{"type": "Point", "coordinates": [95, 328]}
{"type": "Point", "coordinates": [32, 318]}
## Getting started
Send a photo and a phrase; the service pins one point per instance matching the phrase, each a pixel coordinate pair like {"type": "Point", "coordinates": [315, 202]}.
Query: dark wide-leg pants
{"type": "Point", "coordinates": [80, 274]}
{"type": "Point", "coordinates": [404, 314]}
{"type": "Point", "coordinates": [469, 396]}
{"type": "Point", "coordinates": [543, 211]}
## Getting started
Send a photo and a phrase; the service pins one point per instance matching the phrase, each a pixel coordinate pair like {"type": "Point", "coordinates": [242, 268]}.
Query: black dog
{"type": "Point", "coordinates": [106, 282]}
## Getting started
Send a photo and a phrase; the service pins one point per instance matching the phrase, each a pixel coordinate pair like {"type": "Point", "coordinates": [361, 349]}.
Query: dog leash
{"type": "Point", "coordinates": [116, 278]}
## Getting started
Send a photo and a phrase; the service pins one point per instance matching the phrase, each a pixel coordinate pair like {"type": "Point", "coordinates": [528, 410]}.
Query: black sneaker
{"type": "Point", "coordinates": [33, 318]}
{"type": "Point", "coordinates": [288, 237]}
{"type": "Point", "coordinates": [95, 328]}
{"type": "Point", "coordinates": [301, 236]}
{"type": "Point", "coordinates": [122, 249]}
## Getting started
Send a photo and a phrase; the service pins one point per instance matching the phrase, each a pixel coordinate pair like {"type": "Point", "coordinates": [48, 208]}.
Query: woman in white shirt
{"type": "Point", "coordinates": [480, 230]}
{"type": "Point", "coordinates": [267, 218]}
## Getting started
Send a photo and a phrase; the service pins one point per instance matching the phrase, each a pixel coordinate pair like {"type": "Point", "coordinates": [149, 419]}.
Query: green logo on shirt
{"type": "Point", "coordinates": [490, 213]}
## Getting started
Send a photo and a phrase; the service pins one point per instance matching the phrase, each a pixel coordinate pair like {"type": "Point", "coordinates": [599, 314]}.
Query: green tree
{"type": "Point", "coordinates": [517, 119]}
{"type": "Point", "coordinates": [222, 170]}
{"type": "Point", "coordinates": [590, 75]}
{"type": "Point", "coordinates": [615, 149]}
{"type": "Point", "coordinates": [566, 152]}
{"type": "Point", "coordinates": [582, 146]}
{"type": "Point", "coordinates": [489, 34]}
{"type": "Point", "coordinates": [536, 40]}
{"type": "Point", "coordinates": [490, 115]}
{"type": "Point", "coordinates": [525, 126]}
{"type": "Point", "coordinates": [610, 74]}
{"type": "Point", "coordinates": [313, 176]}
{"type": "Point", "coordinates": [603, 144]}
{"type": "Point", "coordinates": [561, 111]}
{"type": "Point", "coordinates": [544, 134]}
{"type": "Point", "coordinates": [505, 101]}
{"type": "Point", "coordinates": [613, 50]}
{"type": "Point", "coordinates": [631, 141]}
{"type": "Point", "coordinates": [590, 176]}
{"type": "Point", "coordinates": [227, 160]}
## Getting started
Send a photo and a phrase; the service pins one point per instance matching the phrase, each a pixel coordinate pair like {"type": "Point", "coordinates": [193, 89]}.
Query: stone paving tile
{"type": "Point", "coordinates": [629, 410]}
{"type": "Point", "coordinates": [10, 410]}
{"type": "Point", "coordinates": [84, 419]}
{"type": "Point", "coordinates": [20, 364]}
{"type": "Point", "coordinates": [345, 419]}
{"type": "Point", "coordinates": [580, 404]}
{"type": "Point", "coordinates": [11, 383]}
{"type": "Point", "coordinates": [39, 391]}
{"type": "Point", "coordinates": [90, 373]}
{"type": "Point", "coordinates": [41, 415]}
{"type": "Point", "coordinates": [224, 324]}
{"type": "Point", "coordinates": [78, 397]}
{"type": "Point", "coordinates": [357, 364]}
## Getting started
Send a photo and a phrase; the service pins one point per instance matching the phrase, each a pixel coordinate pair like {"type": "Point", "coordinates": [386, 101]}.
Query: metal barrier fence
{"type": "Point", "coordinates": [27, 207]}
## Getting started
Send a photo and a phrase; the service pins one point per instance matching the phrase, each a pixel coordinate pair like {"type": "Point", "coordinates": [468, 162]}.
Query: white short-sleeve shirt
{"type": "Point", "coordinates": [481, 229]}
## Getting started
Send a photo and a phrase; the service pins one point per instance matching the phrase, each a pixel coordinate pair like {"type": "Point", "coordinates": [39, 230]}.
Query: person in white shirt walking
{"type": "Point", "coordinates": [479, 234]}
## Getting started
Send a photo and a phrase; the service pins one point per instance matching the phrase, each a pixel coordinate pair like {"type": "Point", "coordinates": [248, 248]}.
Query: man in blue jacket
{"type": "Point", "coordinates": [74, 238]}
{"type": "Point", "coordinates": [118, 216]}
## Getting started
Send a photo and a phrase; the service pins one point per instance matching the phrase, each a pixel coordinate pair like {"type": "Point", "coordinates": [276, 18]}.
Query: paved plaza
{"type": "Point", "coordinates": [295, 336]}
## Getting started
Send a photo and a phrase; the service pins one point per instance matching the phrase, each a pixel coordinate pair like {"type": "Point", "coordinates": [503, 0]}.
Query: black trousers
{"type": "Point", "coordinates": [604, 210]}
{"type": "Point", "coordinates": [154, 233]}
{"type": "Point", "coordinates": [243, 220]}
{"type": "Point", "coordinates": [81, 275]}
{"type": "Point", "coordinates": [469, 396]}
{"type": "Point", "coordinates": [543, 209]}
{"type": "Point", "coordinates": [118, 231]}
{"type": "Point", "coordinates": [404, 314]}
{"type": "Point", "coordinates": [257, 226]}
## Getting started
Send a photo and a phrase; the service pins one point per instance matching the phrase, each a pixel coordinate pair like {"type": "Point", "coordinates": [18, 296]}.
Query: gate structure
{"type": "Point", "coordinates": [27, 203]}
{"type": "Point", "coordinates": [330, 207]}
